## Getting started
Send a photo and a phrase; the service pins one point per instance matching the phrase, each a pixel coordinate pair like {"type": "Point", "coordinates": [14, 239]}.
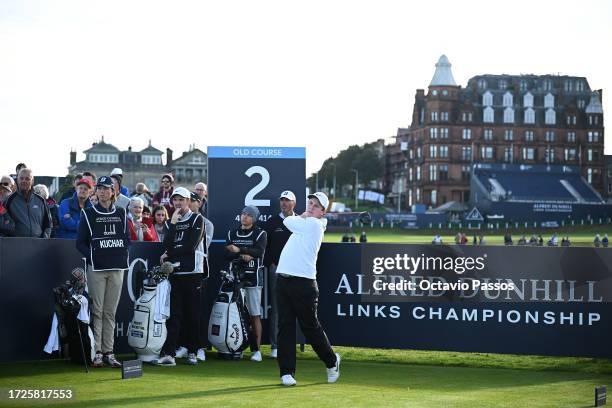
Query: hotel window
{"type": "Point", "coordinates": [528, 100]}
{"type": "Point", "coordinates": [444, 116]}
{"type": "Point", "coordinates": [467, 134]}
{"type": "Point", "coordinates": [529, 116]}
{"type": "Point", "coordinates": [550, 118]}
{"type": "Point", "coordinates": [590, 155]}
{"type": "Point", "coordinates": [507, 101]}
{"type": "Point", "coordinates": [549, 101]}
{"type": "Point", "coordinates": [550, 155]}
{"type": "Point", "coordinates": [523, 85]}
{"type": "Point", "coordinates": [465, 173]}
{"type": "Point", "coordinates": [419, 153]}
{"type": "Point", "coordinates": [443, 172]}
{"type": "Point", "coordinates": [528, 153]}
{"type": "Point", "coordinates": [508, 115]}
{"type": "Point", "coordinates": [444, 133]}
{"type": "Point", "coordinates": [529, 135]}
{"type": "Point", "coordinates": [579, 86]}
{"type": "Point", "coordinates": [433, 172]}
{"type": "Point", "coordinates": [549, 136]}
{"type": "Point", "coordinates": [547, 85]}
{"type": "Point", "coordinates": [418, 195]}
{"type": "Point", "coordinates": [571, 119]}
{"type": "Point", "coordinates": [486, 152]}
{"type": "Point", "coordinates": [433, 152]}
{"type": "Point", "coordinates": [433, 133]}
{"type": "Point", "coordinates": [488, 134]}
{"type": "Point", "coordinates": [581, 103]}
{"type": "Point", "coordinates": [466, 153]}
{"type": "Point", "coordinates": [503, 84]}
{"type": "Point", "coordinates": [466, 116]}
{"type": "Point", "coordinates": [444, 151]}
{"type": "Point", "coordinates": [410, 174]}
{"type": "Point", "coordinates": [570, 154]}
{"type": "Point", "coordinates": [434, 197]}
{"type": "Point", "coordinates": [590, 176]}
{"type": "Point", "coordinates": [418, 173]}
{"type": "Point", "coordinates": [487, 99]}
{"type": "Point", "coordinates": [571, 137]}
{"type": "Point", "coordinates": [508, 135]}
{"type": "Point", "coordinates": [508, 154]}
{"type": "Point", "coordinates": [593, 137]}
{"type": "Point", "coordinates": [488, 115]}
{"type": "Point", "coordinates": [482, 84]}
{"type": "Point", "coordinates": [434, 116]}
{"type": "Point", "coordinates": [568, 85]}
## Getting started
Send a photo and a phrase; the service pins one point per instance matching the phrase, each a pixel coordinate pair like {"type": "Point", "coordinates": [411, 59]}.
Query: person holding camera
{"type": "Point", "coordinates": [103, 239]}
{"type": "Point", "coordinates": [184, 246]}
{"type": "Point", "coordinates": [247, 243]}
{"type": "Point", "coordinates": [298, 293]}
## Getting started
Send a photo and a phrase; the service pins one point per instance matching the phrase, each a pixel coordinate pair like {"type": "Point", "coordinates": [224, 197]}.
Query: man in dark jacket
{"type": "Point", "coordinates": [28, 210]}
{"type": "Point", "coordinates": [278, 234]}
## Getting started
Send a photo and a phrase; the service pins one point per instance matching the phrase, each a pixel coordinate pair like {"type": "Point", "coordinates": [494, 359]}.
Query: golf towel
{"type": "Point", "coordinates": [162, 301]}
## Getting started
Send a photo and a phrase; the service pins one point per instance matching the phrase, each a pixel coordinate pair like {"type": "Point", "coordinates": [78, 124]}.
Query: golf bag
{"type": "Point", "coordinates": [229, 328]}
{"type": "Point", "coordinates": [147, 332]}
{"type": "Point", "coordinates": [75, 335]}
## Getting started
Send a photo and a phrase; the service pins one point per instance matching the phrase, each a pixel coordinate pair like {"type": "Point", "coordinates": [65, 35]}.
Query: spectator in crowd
{"type": "Point", "coordinates": [91, 176]}
{"type": "Point", "coordinates": [363, 237]}
{"type": "Point", "coordinates": [195, 205]}
{"type": "Point", "coordinates": [437, 240]}
{"type": "Point", "coordinates": [481, 240]}
{"type": "Point", "coordinates": [475, 240]}
{"type": "Point", "coordinates": [146, 212]}
{"type": "Point", "coordinates": [7, 226]}
{"type": "Point", "coordinates": [118, 174]}
{"type": "Point", "coordinates": [353, 238]}
{"type": "Point", "coordinates": [247, 243]}
{"type": "Point", "coordinates": [43, 191]}
{"type": "Point", "coordinates": [160, 218]}
{"type": "Point", "coordinates": [120, 199]}
{"type": "Point", "coordinates": [141, 228]}
{"type": "Point", "coordinates": [28, 210]}
{"type": "Point", "coordinates": [277, 236]}
{"type": "Point", "coordinates": [346, 238]}
{"type": "Point", "coordinates": [202, 190]}
{"type": "Point", "coordinates": [17, 169]}
{"type": "Point", "coordinates": [7, 181]}
{"type": "Point", "coordinates": [508, 239]}
{"type": "Point", "coordinates": [143, 193]}
{"type": "Point", "coordinates": [162, 197]}
{"type": "Point", "coordinates": [565, 242]}
{"type": "Point", "coordinates": [604, 241]}
{"type": "Point", "coordinates": [70, 209]}
{"type": "Point", "coordinates": [553, 241]}
{"type": "Point", "coordinates": [597, 241]}
{"type": "Point", "coordinates": [104, 240]}
{"type": "Point", "coordinates": [458, 239]}
{"type": "Point", "coordinates": [70, 192]}
{"type": "Point", "coordinates": [522, 241]}
{"type": "Point", "coordinates": [540, 240]}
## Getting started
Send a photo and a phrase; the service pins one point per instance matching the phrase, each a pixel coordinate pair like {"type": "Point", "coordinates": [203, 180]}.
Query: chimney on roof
{"type": "Point", "coordinates": [72, 157]}
{"type": "Point", "coordinates": [168, 156]}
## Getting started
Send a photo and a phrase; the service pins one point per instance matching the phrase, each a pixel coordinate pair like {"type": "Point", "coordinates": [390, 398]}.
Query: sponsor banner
{"type": "Point", "coordinates": [560, 303]}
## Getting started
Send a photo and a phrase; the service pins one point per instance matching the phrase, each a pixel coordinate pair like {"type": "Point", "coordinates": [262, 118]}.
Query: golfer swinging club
{"type": "Point", "coordinates": [298, 293]}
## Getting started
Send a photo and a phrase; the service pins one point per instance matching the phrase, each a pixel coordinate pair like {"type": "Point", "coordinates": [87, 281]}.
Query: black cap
{"type": "Point", "coordinates": [195, 197]}
{"type": "Point", "coordinates": [105, 181]}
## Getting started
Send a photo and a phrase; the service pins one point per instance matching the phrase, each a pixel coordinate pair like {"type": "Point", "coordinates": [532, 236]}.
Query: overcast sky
{"type": "Point", "coordinates": [320, 74]}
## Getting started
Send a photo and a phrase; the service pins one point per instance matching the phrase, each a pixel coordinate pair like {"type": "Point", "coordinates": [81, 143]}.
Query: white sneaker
{"type": "Point", "coordinates": [334, 372]}
{"type": "Point", "coordinates": [201, 355]}
{"type": "Point", "coordinates": [191, 359]}
{"type": "Point", "coordinates": [256, 356]}
{"type": "Point", "coordinates": [181, 352]}
{"type": "Point", "coordinates": [166, 361]}
{"type": "Point", "coordinates": [274, 353]}
{"type": "Point", "coordinates": [288, 380]}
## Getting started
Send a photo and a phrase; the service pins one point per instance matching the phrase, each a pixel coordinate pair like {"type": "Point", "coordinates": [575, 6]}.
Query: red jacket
{"type": "Point", "coordinates": [150, 236]}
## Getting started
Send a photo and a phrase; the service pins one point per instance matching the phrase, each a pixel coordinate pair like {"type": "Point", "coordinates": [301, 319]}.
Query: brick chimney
{"type": "Point", "coordinates": [168, 156]}
{"type": "Point", "coordinates": [72, 157]}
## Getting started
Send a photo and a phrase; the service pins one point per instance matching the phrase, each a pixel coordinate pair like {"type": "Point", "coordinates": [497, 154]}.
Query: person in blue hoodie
{"type": "Point", "coordinates": [70, 209]}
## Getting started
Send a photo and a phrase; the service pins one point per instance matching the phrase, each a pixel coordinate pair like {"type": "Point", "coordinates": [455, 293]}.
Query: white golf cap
{"type": "Point", "coordinates": [321, 197]}
{"type": "Point", "coordinates": [288, 195]}
{"type": "Point", "coordinates": [117, 171]}
{"type": "Point", "coordinates": [182, 191]}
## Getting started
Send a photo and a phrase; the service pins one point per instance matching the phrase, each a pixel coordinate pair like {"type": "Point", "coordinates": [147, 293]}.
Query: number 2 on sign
{"type": "Point", "coordinates": [249, 199]}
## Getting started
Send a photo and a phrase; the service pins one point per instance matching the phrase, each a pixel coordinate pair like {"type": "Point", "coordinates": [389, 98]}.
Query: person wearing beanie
{"type": "Point", "coordinates": [247, 243]}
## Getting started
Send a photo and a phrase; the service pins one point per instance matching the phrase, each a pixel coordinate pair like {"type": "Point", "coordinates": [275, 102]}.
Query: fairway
{"type": "Point", "coordinates": [369, 377]}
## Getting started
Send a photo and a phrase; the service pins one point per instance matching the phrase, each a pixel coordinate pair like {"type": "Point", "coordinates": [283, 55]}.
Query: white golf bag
{"type": "Point", "coordinates": [146, 335]}
{"type": "Point", "coordinates": [229, 325]}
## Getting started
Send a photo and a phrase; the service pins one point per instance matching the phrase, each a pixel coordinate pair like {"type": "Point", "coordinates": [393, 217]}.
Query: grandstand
{"type": "Point", "coordinates": [535, 193]}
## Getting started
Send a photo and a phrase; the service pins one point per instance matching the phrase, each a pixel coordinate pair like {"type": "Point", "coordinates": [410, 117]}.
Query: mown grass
{"type": "Point", "coordinates": [369, 377]}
